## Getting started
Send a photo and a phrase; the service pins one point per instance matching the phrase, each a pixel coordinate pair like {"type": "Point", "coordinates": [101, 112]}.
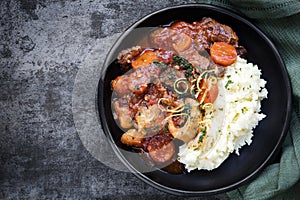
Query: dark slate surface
{"type": "Point", "coordinates": [42, 45]}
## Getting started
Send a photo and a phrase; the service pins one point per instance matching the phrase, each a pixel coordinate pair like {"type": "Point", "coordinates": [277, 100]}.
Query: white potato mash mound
{"type": "Point", "coordinates": [236, 114]}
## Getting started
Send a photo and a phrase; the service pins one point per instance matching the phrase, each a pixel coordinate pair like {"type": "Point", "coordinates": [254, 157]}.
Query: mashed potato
{"type": "Point", "coordinates": [236, 114]}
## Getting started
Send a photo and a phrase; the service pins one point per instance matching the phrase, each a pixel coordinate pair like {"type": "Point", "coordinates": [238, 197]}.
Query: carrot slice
{"type": "Point", "coordinates": [223, 53]}
{"type": "Point", "coordinates": [211, 95]}
{"type": "Point", "coordinates": [144, 59]}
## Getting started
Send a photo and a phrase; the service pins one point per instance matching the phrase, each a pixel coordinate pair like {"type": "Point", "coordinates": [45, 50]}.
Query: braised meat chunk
{"type": "Point", "coordinates": [126, 56]}
{"type": "Point", "coordinates": [213, 31]}
{"type": "Point", "coordinates": [182, 36]}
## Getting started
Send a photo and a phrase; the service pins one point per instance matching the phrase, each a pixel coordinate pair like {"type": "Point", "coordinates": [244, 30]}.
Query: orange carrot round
{"type": "Point", "coordinates": [144, 59]}
{"type": "Point", "coordinates": [223, 53]}
{"type": "Point", "coordinates": [210, 95]}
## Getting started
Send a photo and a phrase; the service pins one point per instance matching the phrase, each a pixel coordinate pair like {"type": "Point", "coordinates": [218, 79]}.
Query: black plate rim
{"type": "Point", "coordinates": [250, 177]}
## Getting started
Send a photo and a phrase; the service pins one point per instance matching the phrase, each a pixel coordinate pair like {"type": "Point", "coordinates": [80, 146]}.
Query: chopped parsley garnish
{"type": "Point", "coordinates": [177, 60]}
{"type": "Point", "coordinates": [160, 64]}
{"type": "Point", "coordinates": [166, 128]}
{"type": "Point", "coordinates": [201, 138]}
{"type": "Point", "coordinates": [228, 83]}
{"type": "Point", "coordinates": [244, 110]}
{"type": "Point", "coordinates": [189, 72]}
{"type": "Point", "coordinates": [180, 61]}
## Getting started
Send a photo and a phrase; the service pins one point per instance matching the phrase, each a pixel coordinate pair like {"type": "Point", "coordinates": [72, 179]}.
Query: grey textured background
{"type": "Point", "coordinates": [42, 47]}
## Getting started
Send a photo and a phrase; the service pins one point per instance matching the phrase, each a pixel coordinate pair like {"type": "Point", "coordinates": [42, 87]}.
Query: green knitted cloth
{"type": "Point", "coordinates": [280, 21]}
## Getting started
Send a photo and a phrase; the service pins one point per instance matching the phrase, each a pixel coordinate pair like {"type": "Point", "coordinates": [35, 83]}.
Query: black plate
{"type": "Point", "coordinates": [268, 136]}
